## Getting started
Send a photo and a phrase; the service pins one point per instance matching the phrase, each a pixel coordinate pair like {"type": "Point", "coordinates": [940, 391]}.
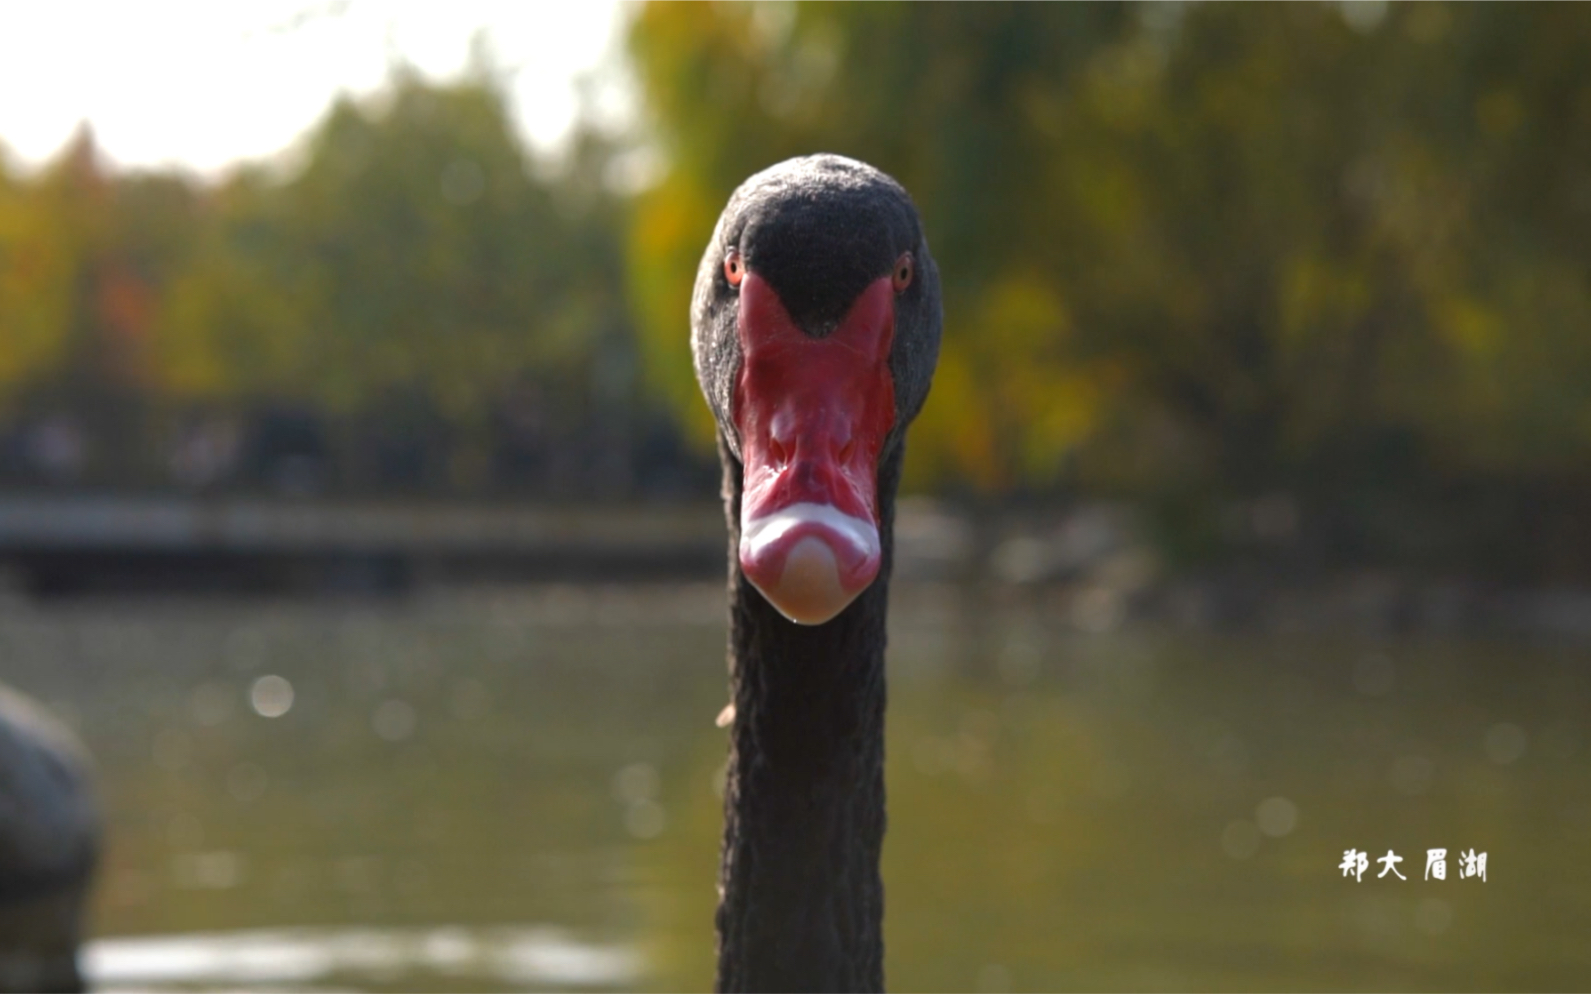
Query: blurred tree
{"type": "Point", "coordinates": [420, 260]}
{"type": "Point", "coordinates": [35, 287]}
{"type": "Point", "coordinates": [1194, 253]}
{"type": "Point", "coordinates": [1332, 258]}
{"type": "Point", "coordinates": [415, 274]}
{"type": "Point", "coordinates": [85, 254]}
{"type": "Point", "coordinates": [415, 249]}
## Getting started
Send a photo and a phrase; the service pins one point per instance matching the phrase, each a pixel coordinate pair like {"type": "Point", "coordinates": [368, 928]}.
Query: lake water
{"type": "Point", "coordinates": [517, 789]}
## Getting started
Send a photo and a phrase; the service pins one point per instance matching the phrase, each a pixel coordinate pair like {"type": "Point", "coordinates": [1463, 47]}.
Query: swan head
{"type": "Point", "coordinates": [815, 328]}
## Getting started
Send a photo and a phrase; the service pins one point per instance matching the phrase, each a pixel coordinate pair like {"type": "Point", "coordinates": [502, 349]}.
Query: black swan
{"type": "Point", "coordinates": [49, 840]}
{"type": "Point", "coordinates": [815, 330]}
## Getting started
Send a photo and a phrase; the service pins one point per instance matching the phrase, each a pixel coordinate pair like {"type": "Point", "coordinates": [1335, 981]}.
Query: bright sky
{"type": "Point", "coordinates": [204, 83]}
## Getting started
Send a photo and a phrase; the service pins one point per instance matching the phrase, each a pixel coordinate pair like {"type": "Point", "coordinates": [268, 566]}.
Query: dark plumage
{"type": "Point", "coordinates": [49, 840]}
{"type": "Point", "coordinates": [802, 899]}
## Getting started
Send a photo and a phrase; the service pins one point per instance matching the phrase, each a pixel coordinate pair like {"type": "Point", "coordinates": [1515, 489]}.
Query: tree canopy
{"type": "Point", "coordinates": [1192, 252]}
{"type": "Point", "coordinates": [1195, 255]}
{"type": "Point", "coordinates": [410, 262]}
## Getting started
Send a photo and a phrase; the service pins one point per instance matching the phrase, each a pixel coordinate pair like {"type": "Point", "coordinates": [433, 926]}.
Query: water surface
{"type": "Point", "coordinates": [517, 789]}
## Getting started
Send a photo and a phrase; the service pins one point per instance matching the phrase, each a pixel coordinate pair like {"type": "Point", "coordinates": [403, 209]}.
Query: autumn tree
{"type": "Point", "coordinates": [1194, 254]}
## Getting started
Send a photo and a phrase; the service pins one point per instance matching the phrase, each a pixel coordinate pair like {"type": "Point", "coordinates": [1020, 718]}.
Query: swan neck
{"type": "Point", "coordinates": [802, 899]}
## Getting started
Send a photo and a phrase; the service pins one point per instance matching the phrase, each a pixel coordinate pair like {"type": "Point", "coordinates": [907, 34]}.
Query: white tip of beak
{"type": "Point", "coordinates": [810, 561]}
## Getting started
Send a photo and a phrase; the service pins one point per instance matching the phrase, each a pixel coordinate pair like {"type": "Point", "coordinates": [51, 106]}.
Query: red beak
{"type": "Point", "coordinates": [813, 414]}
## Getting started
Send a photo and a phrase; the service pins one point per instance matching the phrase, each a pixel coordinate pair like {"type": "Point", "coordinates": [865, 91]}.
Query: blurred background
{"type": "Point", "coordinates": [359, 510]}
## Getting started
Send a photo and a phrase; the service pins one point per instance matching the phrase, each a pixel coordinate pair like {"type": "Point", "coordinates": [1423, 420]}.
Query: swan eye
{"type": "Point", "coordinates": [903, 272]}
{"type": "Point", "coordinates": [734, 268]}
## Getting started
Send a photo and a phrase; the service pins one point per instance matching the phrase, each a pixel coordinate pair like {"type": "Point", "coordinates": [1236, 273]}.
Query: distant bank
{"type": "Point", "coordinates": [1092, 566]}
{"type": "Point", "coordinates": [63, 545]}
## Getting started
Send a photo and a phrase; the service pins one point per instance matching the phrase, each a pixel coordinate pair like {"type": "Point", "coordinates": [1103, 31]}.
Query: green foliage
{"type": "Point", "coordinates": [415, 250]}
{"type": "Point", "coordinates": [82, 260]}
{"type": "Point", "coordinates": [414, 258]}
{"type": "Point", "coordinates": [1206, 249]}
{"type": "Point", "coordinates": [35, 287]}
{"type": "Point", "coordinates": [1194, 255]}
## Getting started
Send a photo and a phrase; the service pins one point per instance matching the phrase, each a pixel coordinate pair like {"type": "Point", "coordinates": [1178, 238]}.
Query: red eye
{"type": "Point", "coordinates": [903, 272]}
{"type": "Point", "coordinates": [734, 268]}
